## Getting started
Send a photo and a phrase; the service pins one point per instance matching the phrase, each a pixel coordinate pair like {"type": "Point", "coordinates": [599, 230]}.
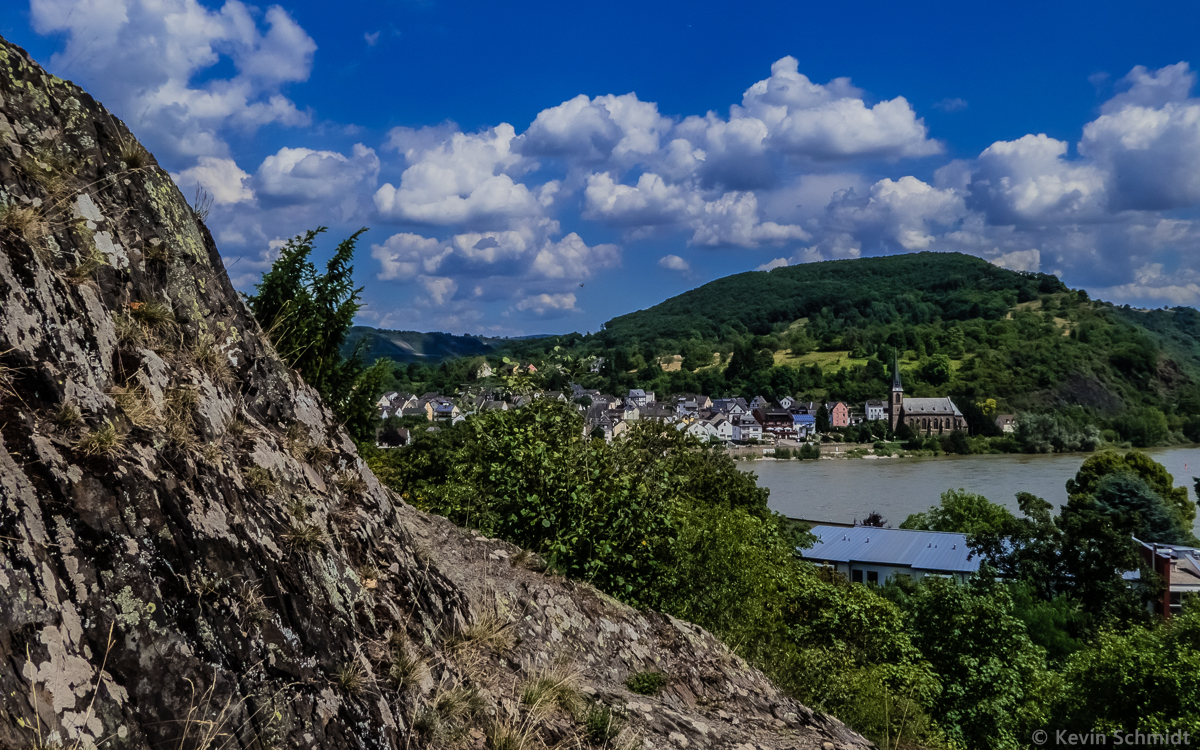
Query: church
{"type": "Point", "coordinates": [922, 415]}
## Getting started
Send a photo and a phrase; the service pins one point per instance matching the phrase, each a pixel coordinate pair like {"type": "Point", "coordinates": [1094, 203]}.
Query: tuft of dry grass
{"type": "Point", "coordinates": [152, 314]}
{"type": "Point", "coordinates": [129, 332]}
{"type": "Point", "coordinates": [350, 677]}
{"type": "Point", "coordinates": [29, 224]}
{"type": "Point", "coordinates": [260, 480]}
{"type": "Point", "coordinates": [512, 735]}
{"type": "Point", "coordinates": [406, 669]}
{"type": "Point", "coordinates": [6, 380]}
{"type": "Point", "coordinates": [51, 171]}
{"type": "Point", "coordinates": [210, 359]}
{"type": "Point", "coordinates": [296, 440]}
{"type": "Point", "coordinates": [236, 428]}
{"type": "Point", "coordinates": [201, 204]}
{"type": "Point", "coordinates": [490, 629]}
{"type": "Point", "coordinates": [319, 456]}
{"type": "Point", "coordinates": [67, 417]}
{"type": "Point", "coordinates": [553, 687]}
{"type": "Point", "coordinates": [132, 153]}
{"type": "Point", "coordinates": [368, 575]}
{"type": "Point", "coordinates": [298, 509]}
{"type": "Point", "coordinates": [350, 482]}
{"type": "Point", "coordinates": [205, 585]}
{"type": "Point", "coordinates": [85, 270]}
{"type": "Point", "coordinates": [446, 718]}
{"type": "Point", "coordinates": [149, 325]}
{"type": "Point", "coordinates": [180, 405]}
{"type": "Point", "coordinates": [104, 441]}
{"type": "Point", "coordinates": [135, 403]}
{"type": "Point", "coordinates": [212, 453]}
{"type": "Point", "coordinates": [252, 604]}
{"type": "Point", "coordinates": [305, 537]}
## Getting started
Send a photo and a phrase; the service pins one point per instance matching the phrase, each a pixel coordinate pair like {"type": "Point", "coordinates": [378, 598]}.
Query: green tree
{"type": "Point", "coordinates": [823, 424]}
{"type": "Point", "coordinates": [1129, 495]}
{"type": "Point", "coordinates": [962, 512]}
{"type": "Point", "coordinates": [1135, 679]}
{"type": "Point", "coordinates": [1143, 427]}
{"type": "Point", "coordinates": [307, 315]}
{"type": "Point", "coordinates": [1087, 480]}
{"type": "Point", "coordinates": [937, 370]}
{"type": "Point", "coordinates": [994, 679]}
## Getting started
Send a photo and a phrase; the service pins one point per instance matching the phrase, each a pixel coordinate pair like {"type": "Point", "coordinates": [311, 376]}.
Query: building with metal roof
{"type": "Point", "coordinates": [866, 554]}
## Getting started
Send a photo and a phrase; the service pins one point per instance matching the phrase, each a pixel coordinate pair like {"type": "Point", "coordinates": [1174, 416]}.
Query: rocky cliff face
{"type": "Point", "coordinates": [192, 555]}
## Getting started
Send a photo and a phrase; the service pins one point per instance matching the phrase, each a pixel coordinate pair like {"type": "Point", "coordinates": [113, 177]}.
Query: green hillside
{"type": "Point", "coordinates": [920, 287]}
{"type": "Point", "coordinates": [998, 341]}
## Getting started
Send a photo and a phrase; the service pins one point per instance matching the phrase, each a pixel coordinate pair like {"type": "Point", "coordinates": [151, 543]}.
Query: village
{"type": "Point", "coordinates": [733, 422]}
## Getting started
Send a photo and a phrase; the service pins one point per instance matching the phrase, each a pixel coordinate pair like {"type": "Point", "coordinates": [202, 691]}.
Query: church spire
{"type": "Point", "coordinates": [896, 373]}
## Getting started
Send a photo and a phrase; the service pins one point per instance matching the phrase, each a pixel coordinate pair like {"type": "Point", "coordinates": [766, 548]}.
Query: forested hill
{"type": "Point", "coordinates": [918, 287]}
{"type": "Point", "coordinates": [998, 341]}
{"type": "Point", "coordinates": [415, 346]}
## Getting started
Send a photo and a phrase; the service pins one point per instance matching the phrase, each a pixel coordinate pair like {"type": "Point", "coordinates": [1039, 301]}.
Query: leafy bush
{"type": "Point", "coordinates": [962, 512]}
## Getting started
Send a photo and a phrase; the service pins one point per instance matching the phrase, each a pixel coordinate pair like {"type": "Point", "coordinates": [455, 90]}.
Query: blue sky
{"type": "Point", "coordinates": [542, 167]}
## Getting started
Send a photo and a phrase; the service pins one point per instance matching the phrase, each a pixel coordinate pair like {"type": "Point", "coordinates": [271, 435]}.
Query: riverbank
{"type": "Point", "coordinates": [830, 451]}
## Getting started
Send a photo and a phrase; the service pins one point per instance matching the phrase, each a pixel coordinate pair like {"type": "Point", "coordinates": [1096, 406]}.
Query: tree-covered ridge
{"type": "Point", "coordinates": [916, 288]}
{"type": "Point", "coordinates": [415, 346]}
{"type": "Point", "coordinates": [996, 341]}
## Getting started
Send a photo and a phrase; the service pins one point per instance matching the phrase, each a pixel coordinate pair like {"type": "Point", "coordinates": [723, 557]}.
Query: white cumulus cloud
{"type": "Point", "coordinates": [143, 58]}
{"type": "Point", "coordinates": [543, 304]}
{"type": "Point", "coordinates": [674, 263]}
{"type": "Point", "coordinates": [461, 180]}
{"type": "Point", "coordinates": [571, 258]}
{"type": "Point", "coordinates": [221, 178]}
{"type": "Point", "coordinates": [304, 175]}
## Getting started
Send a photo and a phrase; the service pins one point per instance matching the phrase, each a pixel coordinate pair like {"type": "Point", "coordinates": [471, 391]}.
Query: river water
{"type": "Point", "coordinates": [845, 490]}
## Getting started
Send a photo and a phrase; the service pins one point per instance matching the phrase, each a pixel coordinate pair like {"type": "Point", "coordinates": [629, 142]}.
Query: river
{"type": "Point", "coordinates": [845, 490]}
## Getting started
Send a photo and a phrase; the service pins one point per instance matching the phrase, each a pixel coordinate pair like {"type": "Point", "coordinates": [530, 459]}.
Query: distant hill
{"type": "Point", "coordinates": [415, 346]}
{"type": "Point", "coordinates": [950, 286]}
{"type": "Point", "coordinates": [990, 337]}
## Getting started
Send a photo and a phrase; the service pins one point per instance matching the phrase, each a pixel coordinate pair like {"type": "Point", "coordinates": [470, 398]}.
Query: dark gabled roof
{"type": "Point", "coordinates": [931, 406]}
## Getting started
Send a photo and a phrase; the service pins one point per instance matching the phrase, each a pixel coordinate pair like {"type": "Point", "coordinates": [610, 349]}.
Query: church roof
{"type": "Point", "coordinates": [896, 386]}
{"type": "Point", "coordinates": [931, 406]}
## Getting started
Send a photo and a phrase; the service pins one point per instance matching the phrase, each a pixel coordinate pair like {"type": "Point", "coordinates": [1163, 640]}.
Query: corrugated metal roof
{"type": "Point", "coordinates": [921, 550]}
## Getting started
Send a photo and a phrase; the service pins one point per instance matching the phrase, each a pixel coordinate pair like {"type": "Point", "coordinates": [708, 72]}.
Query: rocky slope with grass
{"type": "Point", "coordinates": [192, 554]}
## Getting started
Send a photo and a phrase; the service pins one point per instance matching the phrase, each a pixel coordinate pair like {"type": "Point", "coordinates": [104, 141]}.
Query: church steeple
{"type": "Point", "coordinates": [896, 401]}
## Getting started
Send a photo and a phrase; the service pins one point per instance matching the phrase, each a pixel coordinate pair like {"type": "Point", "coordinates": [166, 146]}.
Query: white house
{"type": "Point", "coordinates": [865, 554]}
{"type": "Point", "coordinates": [722, 428]}
{"type": "Point", "coordinates": [876, 410]}
{"type": "Point", "coordinates": [747, 428]}
{"type": "Point", "coordinates": [639, 397]}
{"type": "Point", "coordinates": [786, 402]}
